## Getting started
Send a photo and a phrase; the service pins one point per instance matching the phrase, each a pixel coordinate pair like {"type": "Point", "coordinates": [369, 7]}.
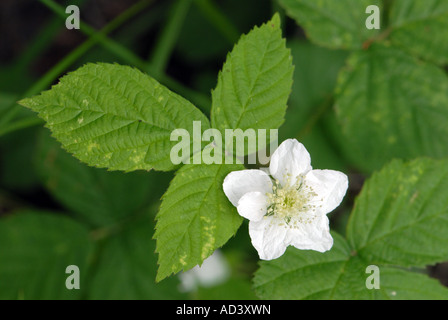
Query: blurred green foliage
{"type": "Point", "coordinates": [56, 211]}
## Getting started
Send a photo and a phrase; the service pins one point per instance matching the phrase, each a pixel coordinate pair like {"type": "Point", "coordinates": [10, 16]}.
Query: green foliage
{"type": "Point", "coordinates": [16, 165]}
{"type": "Point", "coordinates": [233, 289]}
{"type": "Point", "coordinates": [339, 276]}
{"type": "Point", "coordinates": [399, 221]}
{"type": "Point", "coordinates": [421, 28]}
{"type": "Point", "coordinates": [35, 250]}
{"type": "Point", "coordinates": [38, 247]}
{"type": "Point", "coordinates": [255, 81]}
{"type": "Point", "coordinates": [115, 117]}
{"type": "Point", "coordinates": [127, 267]}
{"type": "Point", "coordinates": [300, 274]}
{"type": "Point", "coordinates": [391, 105]}
{"type": "Point", "coordinates": [95, 195]}
{"type": "Point", "coordinates": [195, 217]}
{"type": "Point", "coordinates": [311, 97]}
{"type": "Point", "coordinates": [370, 101]}
{"type": "Point", "coordinates": [334, 24]}
{"type": "Point", "coordinates": [401, 215]}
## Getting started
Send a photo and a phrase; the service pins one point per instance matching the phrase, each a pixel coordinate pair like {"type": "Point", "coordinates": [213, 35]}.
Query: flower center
{"type": "Point", "coordinates": [291, 201]}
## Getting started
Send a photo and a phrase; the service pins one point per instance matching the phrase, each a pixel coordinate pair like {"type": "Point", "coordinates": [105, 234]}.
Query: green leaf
{"type": "Point", "coordinates": [404, 285]}
{"type": "Point", "coordinates": [334, 24]}
{"type": "Point", "coordinates": [115, 117]}
{"type": "Point", "coordinates": [399, 222]}
{"type": "Point", "coordinates": [339, 275]}
{"type": "Point", "coordinates": [233, 289]}
{"type": "Point", "coordinates": [421, 28]}
{"type": "Point", "coordinates": [35, 250]}
{"type": "Point", "coordinates": [315, 74]}
{"type": "Point", "coordinates": [302, 274]}
{"type": "Point", "coordinates": [98, 196]}
{"type": "Point", "coordinates": [195, 217]}
{"type": "Point", "coordinates": [6, 101]}
{"type": "Point", "coordinates": [16, 169]}
{"type": "Point", "coordinates": [392, 106]}
{"type": "Point", "coordinates": [255, 81]}
{"type": "Point", "coordinates": [401, 215]}
{"type": "Point", "coordinates": [127, 267]}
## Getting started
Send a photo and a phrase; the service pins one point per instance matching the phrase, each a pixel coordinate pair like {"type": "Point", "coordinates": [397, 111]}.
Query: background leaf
{"type": "Point", "coordinates": [401, 215]}
{"type": "Point", "coordinates": [116, 209]}
{"type": "Point", "coordinates": [195, 217]}
{"type": "Point", "coordinates": [404, 285]}
{"type": "Point", "coordinates": [16, 166]}
{"type": "Point", "coordinates": [392, 106]}
{"type": "Point", "coordinates": [115, 117]}
{"type": "Point", "coordinates": [97, 196]}
{"type": "Point", "coordinates": [310, 105]}
{"type": "Point", "coordinates": [421, 28]}
{"type": "Point", "coordinates": [127, 266]}
{"type": "Point", "coordinates": [400, 220]}
{"type": "Point", "coordinates": [255, 82]}
{"type": "Point", "coordinates": [35, 250]}
{"type": "Point", "coordinates": [334, 24]}
{"type": "Point", "coordinates": [338, 275]}
{"type": "Point", "coordinates": [302, 274]}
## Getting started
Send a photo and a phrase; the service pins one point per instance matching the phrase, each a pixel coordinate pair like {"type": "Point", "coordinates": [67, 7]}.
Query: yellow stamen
{"type": "Point", "coordinates": [292, 202]}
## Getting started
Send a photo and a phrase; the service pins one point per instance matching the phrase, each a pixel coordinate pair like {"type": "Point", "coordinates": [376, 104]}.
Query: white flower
{"type": "Point", "coordinates": [214, 270]}
{"type": "Point", "coordinates": [291, 207]}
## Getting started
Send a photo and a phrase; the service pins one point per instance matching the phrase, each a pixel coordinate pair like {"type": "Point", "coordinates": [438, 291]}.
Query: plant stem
{"type": "Point", "coordinates": [201, 100]}
{"type": "Point", "coordinates": [41, 41]}
{"type": "Point", "coordinates": [61, 66]}
{"type": "Point", "coordinates": [167, 39]}
{"type": "Point", "coordinates": [101, 37]}
{"type": "Point", "coordinates": [218, 20]}
{"type": "Point", "coordinates": [21, 124]}
{"type": "Point", "coordinates": [379, 37]}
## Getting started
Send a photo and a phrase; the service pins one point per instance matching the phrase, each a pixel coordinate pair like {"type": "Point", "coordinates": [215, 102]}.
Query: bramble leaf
{"type": "Point", "coordinates": [127, 266]}
{"type": "Point", "coordinates": [421, 28]}
{"type": "Point", "coordinates": [255, 82]}
{"type": "Point", "coordinates": [195, 217]}
{"type": "Point", "coordinates": [391, 105]}
{"type": "Point", "coordinates": [401, 215]}
{"type": "Point", "coordinates": [115, 117]}
{"type": "Point", "coordinates": [334, 24]}
{"type": "Point", "coordinates": [97, 196]}
{"type": "Point", "coordinates": [35, 249]}
{"type": "Point", "coordinates": [400, 222]}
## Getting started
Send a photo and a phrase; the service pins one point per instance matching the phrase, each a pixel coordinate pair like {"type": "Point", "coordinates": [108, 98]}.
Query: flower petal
{"type": "Point", "coordinates": [330, 187]}
{"type": "Point", "coordinates": [268, 238]}
{"type": "Point", "coordinates": [253, 205]}
{"type": "Point", "coordinates": [271, 236]}
{"type": "Point", "coordinates": [311, 236]}
{"type": "Point", "coordinates": [290, 159]}
{"type": "Point", "coordinates": [238, 183]}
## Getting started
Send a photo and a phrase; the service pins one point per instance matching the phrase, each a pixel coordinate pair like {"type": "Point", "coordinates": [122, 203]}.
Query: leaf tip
{"type": "Point", "coordinates": [160, 277]}
{"type": "Point", "coordinates": [26, 102]}
{"type": "Point", "coordinates": [275, 22]}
